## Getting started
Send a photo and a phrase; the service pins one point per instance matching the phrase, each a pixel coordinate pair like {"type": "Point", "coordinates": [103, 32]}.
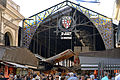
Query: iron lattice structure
{"type": "Point", "coordinates": [101, 22]}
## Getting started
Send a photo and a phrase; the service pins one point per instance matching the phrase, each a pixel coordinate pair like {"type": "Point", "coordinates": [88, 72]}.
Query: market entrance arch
{"type": "Point", "coordinates": [47, 42]}
{"type": "Point", "coordinates": [39, 33]}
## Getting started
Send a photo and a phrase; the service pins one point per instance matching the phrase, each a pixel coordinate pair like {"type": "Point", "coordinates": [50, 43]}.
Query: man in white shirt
{"type": "Point", "coordinates": [72, 77]}
{"type": "Point", "coordinates": [117, 77]}
{"type": "Point", "coordinates": [92, 76]}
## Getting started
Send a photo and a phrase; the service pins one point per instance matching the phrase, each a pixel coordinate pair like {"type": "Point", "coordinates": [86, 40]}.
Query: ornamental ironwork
{"type": "Point", "coordinates": [101, 22]}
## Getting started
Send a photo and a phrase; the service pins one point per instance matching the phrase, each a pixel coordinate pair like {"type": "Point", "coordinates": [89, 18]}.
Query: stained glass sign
{"type": "Point", "coordinates": [66, 23]}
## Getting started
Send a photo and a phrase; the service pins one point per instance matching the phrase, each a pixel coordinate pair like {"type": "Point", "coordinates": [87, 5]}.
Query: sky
{"type": "Point", "coordinates": [31, 7]}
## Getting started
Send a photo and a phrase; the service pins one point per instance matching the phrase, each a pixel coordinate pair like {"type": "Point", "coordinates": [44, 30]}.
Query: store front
{"type": "Point", "coordinates": [99, 62]}
{"type": "Point", "coordinates": [14, 60]}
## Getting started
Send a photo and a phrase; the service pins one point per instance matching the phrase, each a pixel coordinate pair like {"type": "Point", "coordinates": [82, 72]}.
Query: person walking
{"type": "Point", "coordinates": [2, 77]}
{"type": "Point", "coordinates": [18, 77]}
{"type": "Point", "coordinates": [105, 77]}
{"type": "Point", "coordinates": [50, 77]}
{"type": "Point", "coordinates": [72, 77]}
{"type": "Point", "coordinates": [34, 77]}
{"type": "Point", "coordinates": [117, 77]}
{"type": "Point", "coordinates": [11, 77]}
{"type": "Point", "coordinates": [37, 77]}
{"type": "Point", "coordinates": [56, 77]}
{"type": "Point", "coordinates": [82, 77]}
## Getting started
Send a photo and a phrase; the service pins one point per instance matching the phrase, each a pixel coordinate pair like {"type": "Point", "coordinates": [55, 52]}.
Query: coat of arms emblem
{"type": "Point", "coordinates": [66, 21]}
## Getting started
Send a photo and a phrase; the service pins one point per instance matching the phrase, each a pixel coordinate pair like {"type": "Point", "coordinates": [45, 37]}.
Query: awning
{"type": "Point", "coordinates": [60, 57]}
{"type": "Point", "coordinates": [89, 66]}
{"type": "Point", "coordinates": [18, 55]}
{"type": "Point", "coordinates": [33, 67]}
{"type": "Point", "coordinates": [16, 65]}
{"type": "Point", "coordinates": [97, 60]}
{"type": "Point", "coordinates": [39, 57]}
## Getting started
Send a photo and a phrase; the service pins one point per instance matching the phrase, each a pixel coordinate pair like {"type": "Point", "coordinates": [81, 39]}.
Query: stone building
{"type": "Point", "coordinates": [9, 22]}
{"type": "Point", "coordinates": [117, 10]}
{"type": "Point", "coordinates": [12, 58]}
{"type": "Point", "coordinates": [116, 19]}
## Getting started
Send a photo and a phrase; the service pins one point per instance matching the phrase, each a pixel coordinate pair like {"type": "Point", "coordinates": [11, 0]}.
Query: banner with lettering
{"type": "Point", "coordinates": [89, 1]}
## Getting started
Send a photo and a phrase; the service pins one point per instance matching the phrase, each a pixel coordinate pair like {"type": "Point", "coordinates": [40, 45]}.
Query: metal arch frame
{"type": "Point", "coordinates": [101, 22]}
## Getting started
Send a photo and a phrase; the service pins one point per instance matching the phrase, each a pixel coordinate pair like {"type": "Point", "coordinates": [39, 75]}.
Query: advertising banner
{"type": "Point", "coordinates": [89, 1]}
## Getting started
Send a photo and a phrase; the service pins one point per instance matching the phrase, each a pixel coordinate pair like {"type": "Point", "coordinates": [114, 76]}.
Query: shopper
{"type": "Point", "coordinates": [18, 77]}
{"type": "Point", "coordinates": [56, 77]}
{"type": "Point", "coordinates": [50, 77]}
{"type": "Point", "coordinates": [34, 77]}
{"type": "Point", "coordinates": [72, 77]}
{"type": "Point", "coordinates": [2, 77]}
{"type": "Point", "coordinates": [11, 77]}
{"type": "Point", "coordinates": [117, 77]}
{"type": "Point", "coordinates": [105, 77]}
{"type": "Point", "coordinates": [82, 78]}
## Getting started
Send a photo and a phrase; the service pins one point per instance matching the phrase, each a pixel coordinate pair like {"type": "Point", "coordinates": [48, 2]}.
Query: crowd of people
{"type": "Point", "coordinates": [42, 76]}
{"type": "Point", "coordinates": [108, 77]}
{"type": "Point", "coordinates": [58, 76]}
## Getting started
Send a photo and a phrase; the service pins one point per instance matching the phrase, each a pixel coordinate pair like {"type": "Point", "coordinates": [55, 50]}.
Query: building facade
{"type": "Point", "coordinates": [9, 28]}
{"type": "Point", "coordinates": [116, 17]}
{"type": "Point", "coordinates": [117, 10]}
{"type": "Point", "coordinates": [9, 22]}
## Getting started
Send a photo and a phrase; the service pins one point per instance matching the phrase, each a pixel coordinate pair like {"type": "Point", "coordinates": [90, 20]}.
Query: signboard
{"type": "Point", "coordinates": [89, 1]}
{"type": "Point", "coordinates": [66, 25]}
{"type": "Point", "coordinates": [66, 35]}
